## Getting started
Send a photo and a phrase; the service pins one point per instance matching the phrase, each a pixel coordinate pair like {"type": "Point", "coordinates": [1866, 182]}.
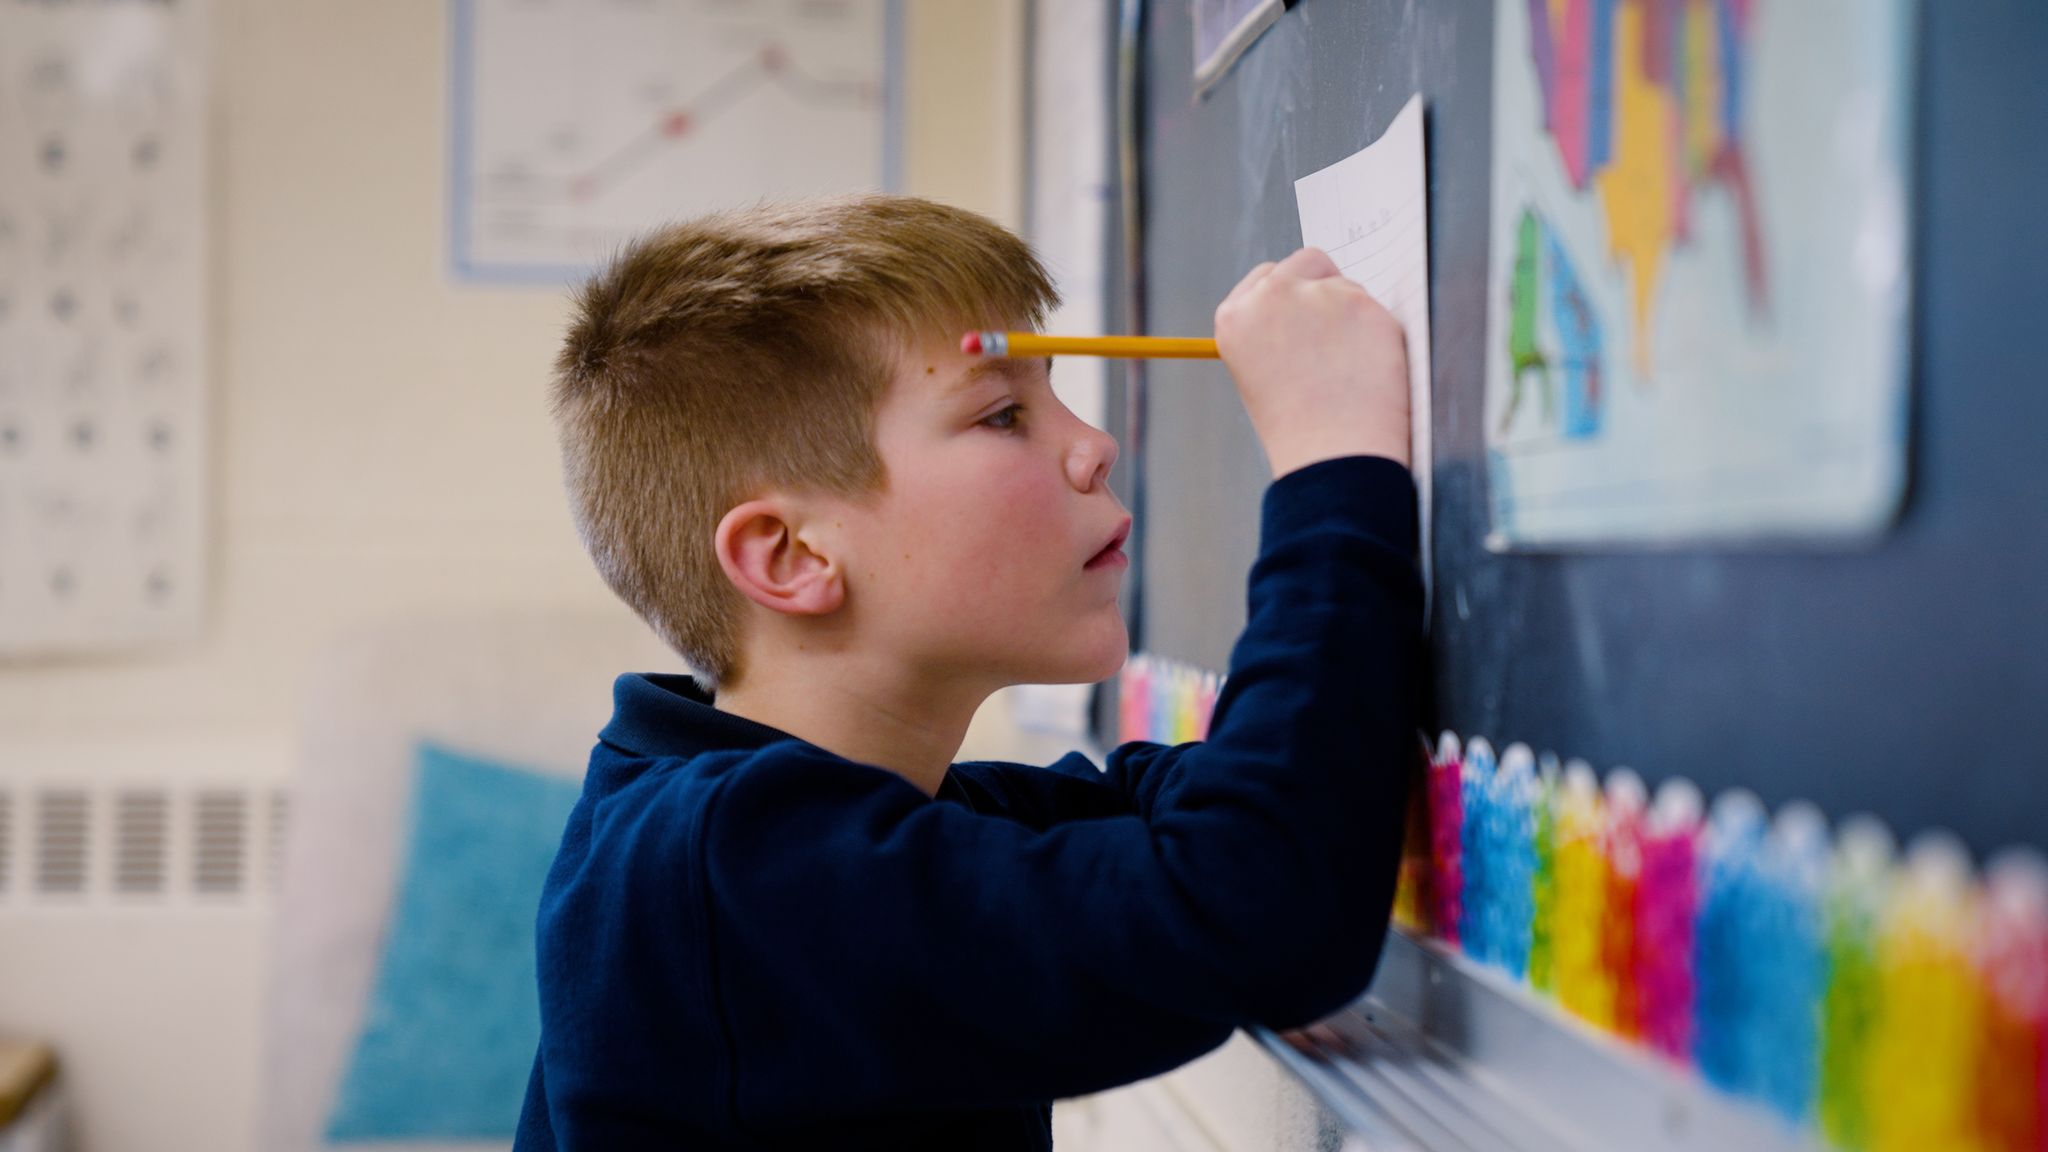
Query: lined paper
{"type": "Point", "coordinates": [1370, 212]}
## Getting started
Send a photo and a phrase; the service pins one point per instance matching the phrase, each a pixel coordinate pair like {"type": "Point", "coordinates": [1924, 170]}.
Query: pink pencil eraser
{"type": "Point", "coordinates": [971, 343]}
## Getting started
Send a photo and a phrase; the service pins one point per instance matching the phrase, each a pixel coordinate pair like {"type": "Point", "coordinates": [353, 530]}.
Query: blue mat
{"type": "Point", "coordinates": [449, 1034]}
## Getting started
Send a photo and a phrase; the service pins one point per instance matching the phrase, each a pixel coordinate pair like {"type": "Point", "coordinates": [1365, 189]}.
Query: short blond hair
{"type": "Point", "coordinates": [748, 350]}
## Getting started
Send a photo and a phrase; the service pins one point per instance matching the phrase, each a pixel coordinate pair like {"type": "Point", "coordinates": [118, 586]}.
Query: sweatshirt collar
{"type": "Point", "coordinates": [666, 714]}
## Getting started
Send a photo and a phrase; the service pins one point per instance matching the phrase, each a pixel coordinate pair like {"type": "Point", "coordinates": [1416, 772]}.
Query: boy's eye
{"type": "Point", "coordinates": [1010, 417]}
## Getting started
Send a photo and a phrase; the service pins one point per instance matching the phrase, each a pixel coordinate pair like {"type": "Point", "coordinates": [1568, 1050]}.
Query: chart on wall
{"type": "Point", "coordinates": [102, 324]}
{"type": "Point", "coordinates": [1699, 272]}
{"type": "Point", "coordinates": [577, 124]}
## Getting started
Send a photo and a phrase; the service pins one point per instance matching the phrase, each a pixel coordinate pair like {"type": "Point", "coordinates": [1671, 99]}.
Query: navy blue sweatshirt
{"type": "Point", "coordinates": [749, 942]}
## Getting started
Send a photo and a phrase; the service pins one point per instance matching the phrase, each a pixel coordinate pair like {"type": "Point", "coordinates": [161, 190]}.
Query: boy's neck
{"type": "Point", "coordinates": [911, 729]}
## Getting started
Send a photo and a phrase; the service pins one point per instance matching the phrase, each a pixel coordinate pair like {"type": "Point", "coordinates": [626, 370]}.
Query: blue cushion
{"type": "Point", "coordinates": [449, 1033]}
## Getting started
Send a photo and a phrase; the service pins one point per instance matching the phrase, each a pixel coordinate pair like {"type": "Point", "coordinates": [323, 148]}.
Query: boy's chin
{"type": "Point", "coordinates": [1089, 665]}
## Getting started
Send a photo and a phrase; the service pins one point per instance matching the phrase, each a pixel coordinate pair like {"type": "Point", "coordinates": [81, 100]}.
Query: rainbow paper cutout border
{"type": "Point", "coordinates": [1879, 1001]}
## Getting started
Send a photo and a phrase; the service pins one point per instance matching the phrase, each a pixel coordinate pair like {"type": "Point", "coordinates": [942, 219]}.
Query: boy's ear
{"type": "Point", "coordinates": [774, 564]}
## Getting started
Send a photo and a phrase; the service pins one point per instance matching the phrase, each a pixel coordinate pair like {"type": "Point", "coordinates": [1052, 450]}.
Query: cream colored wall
{"type": "Point", "coordinates": [381, 443]}
{"type": "Point", "coordinates": [964, 104]}
{"type": "Point", "coordinates": [380, 450]}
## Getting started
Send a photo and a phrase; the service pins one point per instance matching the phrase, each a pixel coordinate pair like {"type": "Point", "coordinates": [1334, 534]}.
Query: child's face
{"type": "Point", "coordinates": [994, 553]}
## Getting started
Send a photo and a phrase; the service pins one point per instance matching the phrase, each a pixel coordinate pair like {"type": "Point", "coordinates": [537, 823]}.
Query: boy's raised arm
{"type": "Point", "coordinates": [1254, 888]}
{"type": "Point", "coordinates": [1047, 963]}
{"type": "Point", "coordinates": [1322, 371]}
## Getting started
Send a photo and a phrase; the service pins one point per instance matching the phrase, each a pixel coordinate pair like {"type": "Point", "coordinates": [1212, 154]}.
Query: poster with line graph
{"type": "Point", "coordinates": [577, 124]}
{"type": "Point", "coordinates": [1698, 283]}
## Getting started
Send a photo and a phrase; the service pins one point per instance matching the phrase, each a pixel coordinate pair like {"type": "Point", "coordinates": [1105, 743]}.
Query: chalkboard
{"type": "Point", "coordinates": [1908, 678]}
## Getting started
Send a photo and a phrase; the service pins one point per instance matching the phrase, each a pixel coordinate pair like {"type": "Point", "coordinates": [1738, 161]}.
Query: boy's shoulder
{"type": "Point", "coordinates": [663, 723]}
{"type": "Point", "coordinates": [668, 746]}
{"type": "Point", "coordinates": [1071, 787]}
{"type": "Point", "coordinates": [734, 787]}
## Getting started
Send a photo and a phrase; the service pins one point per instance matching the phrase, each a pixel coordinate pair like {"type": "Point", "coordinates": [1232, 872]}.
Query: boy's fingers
{"type": "Point", "coordinates": [1309, 264]}
{"type": "Point", "coordinates": [1251, 278]}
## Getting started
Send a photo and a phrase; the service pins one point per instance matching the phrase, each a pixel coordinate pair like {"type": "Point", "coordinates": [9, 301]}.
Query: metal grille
{"type": "Point", "coordinates": [280, 817]}
{"type": "Point", "coordinates": [140, 845]}
{"type": "Point", "coordinates": [64, 820]}
{"type": "Point", "coordinates": [6, 841]}
{"type": "Point", "coordinates": [220, 843]}
{"type": "Point", "coordinates": [141, 842]}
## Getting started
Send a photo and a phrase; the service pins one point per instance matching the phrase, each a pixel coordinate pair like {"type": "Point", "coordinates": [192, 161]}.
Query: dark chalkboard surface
{"type": "Point", "coordinates": [1908, 679]}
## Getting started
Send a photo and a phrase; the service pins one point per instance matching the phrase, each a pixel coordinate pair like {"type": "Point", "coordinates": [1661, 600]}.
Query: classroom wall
{"type": "Point", "coordinates": [380, 450]}
{"type": "Point", "coordinates": [381, 441]}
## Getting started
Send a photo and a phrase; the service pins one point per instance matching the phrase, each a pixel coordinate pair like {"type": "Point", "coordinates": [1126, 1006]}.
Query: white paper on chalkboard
{"type": "Point", "coordinates": [1370, 212]}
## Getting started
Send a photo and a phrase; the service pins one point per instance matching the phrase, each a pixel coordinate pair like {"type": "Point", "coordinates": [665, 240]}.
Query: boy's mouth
{"type": "Point", "coordinates": [1112, 552]}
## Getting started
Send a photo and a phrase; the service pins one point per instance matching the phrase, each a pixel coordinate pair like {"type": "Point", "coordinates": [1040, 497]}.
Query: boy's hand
{"type": "Point", "coordinates": [1320, 365]}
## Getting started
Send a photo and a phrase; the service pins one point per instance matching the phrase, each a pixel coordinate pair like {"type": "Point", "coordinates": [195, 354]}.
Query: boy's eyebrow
{"type": "Point", "coordinates": [995, 365]}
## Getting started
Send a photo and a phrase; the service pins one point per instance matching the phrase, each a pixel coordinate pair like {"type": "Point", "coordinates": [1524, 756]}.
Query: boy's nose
{"type": "Point", "coordinates": [1091, 457]}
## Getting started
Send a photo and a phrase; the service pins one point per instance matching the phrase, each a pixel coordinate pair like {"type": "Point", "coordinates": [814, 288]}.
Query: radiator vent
{"type": "Point", "coordinates": [280, 816]}
{"type": "Point", "coordinates": [142, 841]}
{"type": "Point", "coordinates": [220, 843]}
{"type": "Point", "coordinates": [6, 842]}
{"type": "Point", "coordinates": [138, 845]}
{"type": "Point", "coordinates": [63, 819]}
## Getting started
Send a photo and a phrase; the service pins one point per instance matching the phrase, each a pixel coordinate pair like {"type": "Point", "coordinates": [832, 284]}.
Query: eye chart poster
{"type": "Point", "coordinates": [102, 323]}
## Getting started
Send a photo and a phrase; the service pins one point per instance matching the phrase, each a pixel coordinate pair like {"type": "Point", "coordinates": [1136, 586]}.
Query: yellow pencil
{"type": "Point", "coordinates": [1016, 344]}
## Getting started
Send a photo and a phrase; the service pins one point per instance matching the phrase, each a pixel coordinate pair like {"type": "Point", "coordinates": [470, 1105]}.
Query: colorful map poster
{"type": "Point", "coordinates": [1699, 276]}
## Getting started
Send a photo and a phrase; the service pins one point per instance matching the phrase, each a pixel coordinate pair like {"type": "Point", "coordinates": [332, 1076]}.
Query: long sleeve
{"type": "Point", "coordinates": [874, 951]}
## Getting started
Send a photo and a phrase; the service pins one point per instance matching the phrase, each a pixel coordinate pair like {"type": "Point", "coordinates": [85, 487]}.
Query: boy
{"type": "Point", "coordinates": [780, 916]}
